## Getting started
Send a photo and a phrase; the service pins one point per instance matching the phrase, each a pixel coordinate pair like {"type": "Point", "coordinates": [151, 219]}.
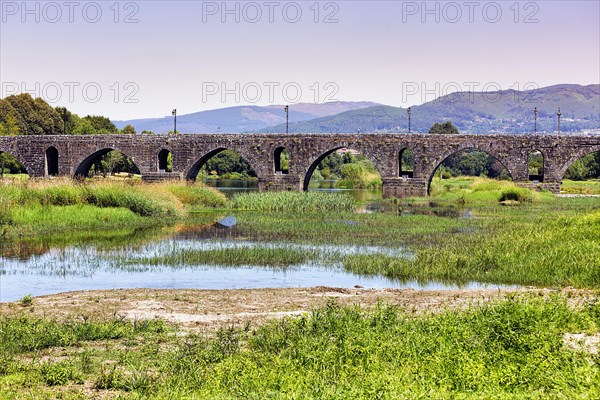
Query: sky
{"type": "Point", "coordinates": [142, 59]}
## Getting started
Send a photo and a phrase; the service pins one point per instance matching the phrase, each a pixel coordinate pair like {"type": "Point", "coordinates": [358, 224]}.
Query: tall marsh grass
{"type": "Point", "coordinates": [294, 202]}
{"type": "Point", "coordinates": [34, 206]}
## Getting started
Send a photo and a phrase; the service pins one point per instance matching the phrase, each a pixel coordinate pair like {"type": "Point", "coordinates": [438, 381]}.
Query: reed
{"type": "Point", "coordinates": [294, 202]}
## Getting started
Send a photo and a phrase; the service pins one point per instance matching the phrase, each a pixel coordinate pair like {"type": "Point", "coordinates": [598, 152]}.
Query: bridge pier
{"type": "Point", "coordinates": [279, 182]}
{"type": "Point", "coordinates": [404, 187]}
{"type": "Point", "coordinates": [552, 187]}
{"type": "Point", "coordinates": [162, 176]}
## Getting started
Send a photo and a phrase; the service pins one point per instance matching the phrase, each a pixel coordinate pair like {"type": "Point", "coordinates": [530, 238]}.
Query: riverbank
{"type": "Point", "coordinates": [197, 310]}
{"type": "Point", "coordinates": [317, 343]}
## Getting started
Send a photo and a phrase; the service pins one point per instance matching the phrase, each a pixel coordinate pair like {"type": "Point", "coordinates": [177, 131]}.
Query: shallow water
{"type": "Point", "coordinates": [90, 268]}
{"type": "Point", "coordinates": [41, 269]}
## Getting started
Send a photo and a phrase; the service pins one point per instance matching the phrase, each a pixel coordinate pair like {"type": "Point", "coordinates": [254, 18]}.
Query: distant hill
{"type": "Point", "coordinates": [241, 118]}
{"type": "Point", "coordinates": [491, 112]}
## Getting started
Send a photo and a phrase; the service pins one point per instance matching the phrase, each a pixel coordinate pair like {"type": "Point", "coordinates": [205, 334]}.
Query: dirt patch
{"type": "Point", "coordinates": [582, 342]}
{"type": "Point", "coordinates": [193, 309]}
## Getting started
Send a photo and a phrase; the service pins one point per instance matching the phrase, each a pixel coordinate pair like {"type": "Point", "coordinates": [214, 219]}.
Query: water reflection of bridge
{"type": "Point", "coordinates": [74, 155]}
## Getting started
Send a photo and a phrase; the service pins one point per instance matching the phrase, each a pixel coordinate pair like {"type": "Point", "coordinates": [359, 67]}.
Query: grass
{"type": "Point", "coordinates": [294, 202]}
{"type": "Point", "coordinates": [32, 207]}
{"type": "Point", "coordinates": [580, 187]}
{"type": "Point", "coordinates": [542, 240]}
{"type": "Point", "coordinates": [509, 349]}
{"type": "Point", "coordinates": [257, 256]}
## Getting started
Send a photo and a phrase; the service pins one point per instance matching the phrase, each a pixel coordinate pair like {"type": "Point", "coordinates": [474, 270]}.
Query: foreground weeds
{"type": "Point", "coordinates": [509, 349]}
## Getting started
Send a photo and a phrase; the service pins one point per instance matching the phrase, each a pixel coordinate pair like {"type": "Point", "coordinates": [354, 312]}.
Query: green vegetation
{"type": "Point", "coordinates": [587, 167]}
{"type": "Point", "coordinates": [349, 170]}
{"type": "Point", "coordinates": [227, 165]}
{"type": "Point", "coordinates": [445, 128]}
{"type": "Point", "coordinates": [30, 208]}
{"type": "Point", "coordinates": [259, 255]}
{"type": "Point", "coordinates": [514, 348]}
{"type": "Point", "coordinates": [467, 231]}
{"type": "Point", "coordinates": [581, 187]}
{"type": "Point", "coordinates": [293, 202]}
{"type": "Point", "coordinates": [473, 162]}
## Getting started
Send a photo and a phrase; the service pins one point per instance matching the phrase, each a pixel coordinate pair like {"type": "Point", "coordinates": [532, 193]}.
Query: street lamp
{"type": "Point", "coordinates": [535, 111]}
{"type": "Point", "coordinates": [408, 110]}
{"type": "Point", "coordinates": [174, 114]}
{"type": "Point", "coordinates": [287, 119]}
{"type": "Point", "coordinates": [558, 114]}
{"type": "Point", "coordinates": [65, 120]}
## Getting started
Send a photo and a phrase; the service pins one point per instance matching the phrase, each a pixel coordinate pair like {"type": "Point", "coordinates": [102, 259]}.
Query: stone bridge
{"type": "Point", "coordinates": [50, 155]}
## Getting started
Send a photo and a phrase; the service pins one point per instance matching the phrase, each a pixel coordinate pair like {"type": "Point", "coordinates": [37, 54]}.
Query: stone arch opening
{"type": "Point", "coordinates": [342, 168]}
{"type": "Point", "coordinates": [535, 166]}
{"type": "Point", "coordinates": [406, 163]}
{"type": "Point", "coordinates": [107, 161]}
{"type": "Point", "coordinates": [165, 161]}
{"type": "Point", "coordinates": [281, 160]}
{"type": "Point", "coordinates": [11, 166]}
{"type": "Point", "coordinates": [468, 162]}
{"type": "Point", "coordinates": [582, 176]}
{"type": "Point", "coordinates": [51, 167]}
{"type": "Point", "coordinates": [222, 164]}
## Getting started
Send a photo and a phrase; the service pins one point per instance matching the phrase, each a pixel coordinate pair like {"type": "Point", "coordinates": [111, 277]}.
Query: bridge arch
{"type": "Point", "coordinates": [8, 159]}
{"type": "Point", "coordinates": [192, 172]}
{"type": "Point", "coordinates": [163, 161]}
{"type": "Point", "coordinates": [316, 161]}
{"type": "Point", "coordinates": [449, 154]}
{"type": "Point", "coordinates": [406, 162]}
{"type": "Point", "coordinates": [278, 160]}
{"type": "Point", "coordinates": [533, 158]}
{"type": "Point", "coordinates": [84, 165]}
{"type": "Point", "coordinates": [51, 161]}
{"type": "Point", "coordinates": [576, 155]}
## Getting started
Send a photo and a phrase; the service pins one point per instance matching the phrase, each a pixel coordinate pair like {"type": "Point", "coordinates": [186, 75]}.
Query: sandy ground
{"type": "Point", "coordinates": [198, 310]}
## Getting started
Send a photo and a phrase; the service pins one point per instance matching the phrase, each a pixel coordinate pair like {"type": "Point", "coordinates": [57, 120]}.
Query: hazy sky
{"type": "Point", "coordinates": [141, 59]}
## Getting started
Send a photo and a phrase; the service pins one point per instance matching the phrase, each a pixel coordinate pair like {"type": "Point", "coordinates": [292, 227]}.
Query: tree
{"type": "Point", "coordinates": [128, 130]}
{"type": "Point", "coordinates": [10, 126]}
{"type": "Point", "coordinates": [71, 120]}
{"type": "Point", "coordinates": [34, 116]}
{"type": "Point", "coordinates": [101, 125]}
{"type": "Point", "coordinates": [443, 129]}
{"type": "Point", "coordinates": [84, 127]}
{"type": "Point", "coordinates": [146, 132]}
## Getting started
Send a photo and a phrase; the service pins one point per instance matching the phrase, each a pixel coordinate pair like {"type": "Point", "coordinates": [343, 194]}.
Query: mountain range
{"type": "Point", "coordinates": [507, 111]}
{"type": "Point", "coordinates": [241, 118]}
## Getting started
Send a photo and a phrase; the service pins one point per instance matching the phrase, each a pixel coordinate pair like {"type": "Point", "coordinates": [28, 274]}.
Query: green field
{"type": "Point", "coordinates": [511, 349]}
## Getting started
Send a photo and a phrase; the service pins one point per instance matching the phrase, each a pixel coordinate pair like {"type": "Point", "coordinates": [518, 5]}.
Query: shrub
{"type": "Point", "coordinates": [198, 196]}
{"type": "Point", "coordinates": [27, 300]}
{"type": "Point", "coordinates": [59, 373]}
{"type": "Point", "coordinates": [520, 195]}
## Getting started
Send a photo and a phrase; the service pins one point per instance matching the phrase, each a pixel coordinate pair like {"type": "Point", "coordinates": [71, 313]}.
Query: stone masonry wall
{"type": "Point", "coordinates": [77, 153]}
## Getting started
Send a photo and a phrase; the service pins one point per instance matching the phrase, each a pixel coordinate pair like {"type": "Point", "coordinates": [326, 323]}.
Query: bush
{"type": "Point", "coordinates": [520, 195]}
{"type": "Point", "coordinates": [59, 373]}
{"type": "Point", "coordinates": [198, 196]}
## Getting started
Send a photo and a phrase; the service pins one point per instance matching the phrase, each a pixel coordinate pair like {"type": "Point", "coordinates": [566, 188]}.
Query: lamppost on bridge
{"type": "Point", "coordinates": [408, 110]}
{"type": "Point", "coordinates": [535, 112]}
{"type": "Point", "coordinates": [65, 120]}
{"type": "Point", "coordinates": [287, 119]}
{"type": "Point", "coordinates": [174, 114]}
{"type": "Point", "coordinates": [558, 114]}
